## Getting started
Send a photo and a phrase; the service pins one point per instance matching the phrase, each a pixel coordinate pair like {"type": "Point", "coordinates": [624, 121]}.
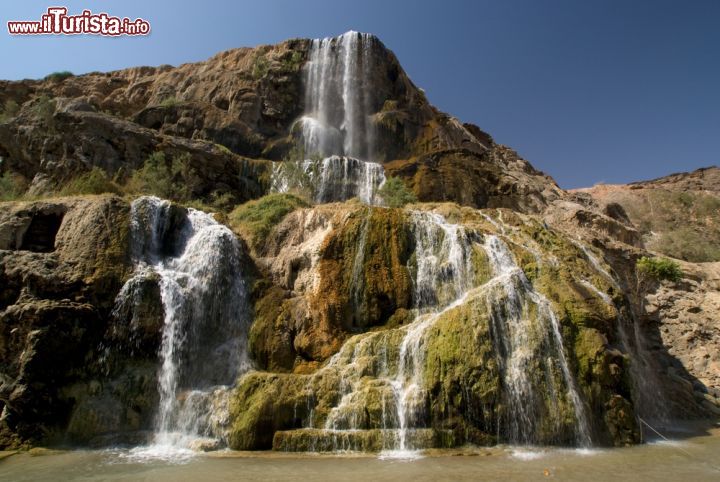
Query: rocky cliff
{"type": "Point", "coordinates": [239, 109]}
{"type": "Point", "coordinates": [305, 314]}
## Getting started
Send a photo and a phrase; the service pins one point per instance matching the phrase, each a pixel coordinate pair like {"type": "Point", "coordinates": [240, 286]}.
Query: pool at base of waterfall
{"type": "Point", "coordinates": [689, 456]}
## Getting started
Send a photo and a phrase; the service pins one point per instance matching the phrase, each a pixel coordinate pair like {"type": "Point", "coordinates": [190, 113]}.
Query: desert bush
{"type": "Point", "coordinates": [44, 108]}
{"type": "Point", "coordinates": [10, 110]}
{"type": "Point", "coordinates": [59, 76]}
{"type": "Point", "coordinates": [659, 269]}
{"type": "Point", "coordinates": [395, 193]}
{"type": "Point", "coordinates": [12, 186]}
{"type": "Point", "coordinates": [95, 181]}
{"type": "Point", "coordinates": [173, 179]}
{"type": "Point", "coordinates": [261, 65]}
{"type": "Point", "coordinates": [684, 225]}
{"type": "Point", "coordinates": [169, 102]}
{"type": "Point", "coordinates": [256, 218]}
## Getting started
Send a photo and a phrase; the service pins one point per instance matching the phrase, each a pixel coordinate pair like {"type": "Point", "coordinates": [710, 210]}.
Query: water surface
{"type": "Point", "coordinates": [690, 459]}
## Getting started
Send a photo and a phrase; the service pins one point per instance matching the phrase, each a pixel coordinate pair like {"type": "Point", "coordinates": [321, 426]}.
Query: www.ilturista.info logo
{"type": "Point", "coordinates": [57, 21]}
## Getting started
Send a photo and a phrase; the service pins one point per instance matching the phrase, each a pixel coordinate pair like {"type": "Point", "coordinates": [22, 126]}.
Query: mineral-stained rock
{"type": "Point", "coordinates": [61, 265]}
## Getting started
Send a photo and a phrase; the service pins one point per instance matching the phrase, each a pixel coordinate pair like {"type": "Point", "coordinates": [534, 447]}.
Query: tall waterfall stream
{"type": "Point", "coordinates": [197, 264]}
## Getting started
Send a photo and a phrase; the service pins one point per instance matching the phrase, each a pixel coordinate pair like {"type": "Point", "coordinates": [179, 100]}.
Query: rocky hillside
{"type": "Point", "coordinates": [677, 215]}
{"type": "Point", "coordinates": [375, 274]}
{"type": "Point", "coordinates": [233, 113]}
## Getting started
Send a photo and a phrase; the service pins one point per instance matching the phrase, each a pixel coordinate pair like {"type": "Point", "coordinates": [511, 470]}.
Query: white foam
{"type": "Point", "coordinates": [406, 455]}
{"type": "Point", "coordinates": [527, 455]}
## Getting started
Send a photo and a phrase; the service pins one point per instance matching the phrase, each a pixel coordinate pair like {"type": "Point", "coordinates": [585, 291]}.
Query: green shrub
{"type": "Point", "coordinates": [292, 62]}
{"type": "Point", "coordinates": [95, 181]}
{"type": "Point", "coordinates": [10, 110]}
{"type": "Point", "coordinates": [659, 269]}
{"type": "Point", "coordinates": [261, 65]}
{"type": "Point", "coordinates": [44, 108]}
{"type": "Point", "coordinates": [59, 76]}
{"type": "Point", "coordinates": [169, 102]}
{"type": "Point", "coordinates": [12, 186]}
{"type": "Point", "coordinates": [174, 179]}
{"type": "Point", "coordinates": [256, 218]}
{"type": "Point", "coordinates": [395, 193]}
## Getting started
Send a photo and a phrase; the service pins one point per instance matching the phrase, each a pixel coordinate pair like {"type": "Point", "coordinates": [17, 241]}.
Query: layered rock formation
{"type": "Point", "coordinates": [498, 309]}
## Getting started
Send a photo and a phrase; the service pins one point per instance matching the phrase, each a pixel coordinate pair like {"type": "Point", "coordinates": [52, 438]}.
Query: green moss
{"type": "Point", "coordinates": [271, 336]}
{"type": "Point", "coordinates": [461, 373]}
{"type": "Point", "coordinates": [261, 404]}
{"type": "Point", "coordinates": [363, 270]}
{"type": "Point", "coordinates": [256, 218]}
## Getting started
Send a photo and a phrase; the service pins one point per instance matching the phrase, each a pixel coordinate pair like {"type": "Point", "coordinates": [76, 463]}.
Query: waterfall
{"type": "Point", "coordinates": [542, 402]}
{"type": "Point", "coordinates": [649, 396]}
{"type": "Point", "coordinates": [443, 276]}
{"type": "Point", "coordinates": [335, 132]}
{"type": "Point", "coordinates": [197, 263]}
{"type": "Point", "coordinates": [332, 179]}
{"type": "Point", "coordinates": [522, 341]}
{"type": "Point", "coordinates": [339, 97]}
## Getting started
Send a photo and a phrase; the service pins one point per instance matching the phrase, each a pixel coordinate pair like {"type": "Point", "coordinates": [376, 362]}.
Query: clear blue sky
{"type": "Point", "coordinates": [588, 91]}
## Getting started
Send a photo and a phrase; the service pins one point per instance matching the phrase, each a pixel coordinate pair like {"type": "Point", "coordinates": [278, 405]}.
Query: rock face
{"type": "Point", "coordinates": [497, 309]}
{"type": "Point", "coordinates": [686, 315]}
{"type": "Point", "coordinates": [424, 361]}
{"type": "Point", "coordinates": [676, 215]}
{"type": "Point", "coordinates": [63, 261]}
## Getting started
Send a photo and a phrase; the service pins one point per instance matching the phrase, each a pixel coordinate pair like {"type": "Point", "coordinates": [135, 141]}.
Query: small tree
{"type": "Point", "coordinates": [395, 193]}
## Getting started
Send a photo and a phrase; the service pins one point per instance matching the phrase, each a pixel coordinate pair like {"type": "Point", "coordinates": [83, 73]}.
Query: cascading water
{"type": "Point", "coordinates": [339, 97]}
{"type": "Point", "coordinates": [539, 389]}
{"type": "Point", "coordinates": [332, 179]}
{"type": "Point", "coordinates": [197, 262]}
{"type": "Point", "coordinates": [443, 276]}
{"type": "Point", "coordinates": [443, 273]}
{"type": "Point", "coordinates": [336, 126]}
{"type": "Point", "coordinates": [648, 394]}
{"type": "Point", "coordinates": [522, 341]}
